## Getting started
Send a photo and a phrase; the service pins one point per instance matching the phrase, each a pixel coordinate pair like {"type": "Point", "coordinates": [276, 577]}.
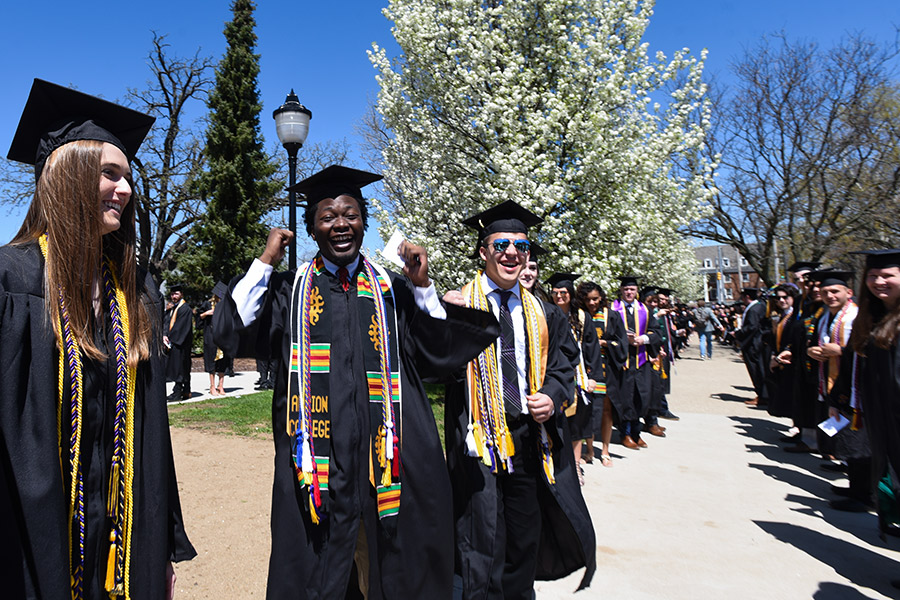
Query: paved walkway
{"type": "Point", "coordinates": [718, 510]}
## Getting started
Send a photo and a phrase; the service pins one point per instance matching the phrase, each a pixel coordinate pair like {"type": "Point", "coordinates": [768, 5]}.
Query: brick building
{"type": "Point", "coordinates": [734, 271]}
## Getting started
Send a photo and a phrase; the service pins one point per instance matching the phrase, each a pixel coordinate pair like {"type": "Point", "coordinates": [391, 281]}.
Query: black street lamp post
{"type": "Point", "coordinates": [292, 126]}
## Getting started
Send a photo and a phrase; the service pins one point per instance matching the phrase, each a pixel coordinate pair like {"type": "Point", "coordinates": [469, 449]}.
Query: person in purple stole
{"type": "Point", "coordinates": [636, 381]}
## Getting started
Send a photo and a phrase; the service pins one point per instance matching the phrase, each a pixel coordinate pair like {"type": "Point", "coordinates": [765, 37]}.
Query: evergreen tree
{"type": "Point", "coordinates": [239, 184]}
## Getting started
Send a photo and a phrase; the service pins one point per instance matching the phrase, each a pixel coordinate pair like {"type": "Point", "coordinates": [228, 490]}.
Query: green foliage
{"type": "Point", "coordinates": [240, 183]}
{"type": "Point", "coordinates": [249, 415]}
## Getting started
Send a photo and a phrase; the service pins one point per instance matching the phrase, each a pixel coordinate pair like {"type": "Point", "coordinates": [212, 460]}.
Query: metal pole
{"type": "Point", "coordinates": [292, 150]}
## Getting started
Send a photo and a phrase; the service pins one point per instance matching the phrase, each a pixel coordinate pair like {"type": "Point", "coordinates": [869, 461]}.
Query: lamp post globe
{"type": "Point", "coordinates": [292, 127]}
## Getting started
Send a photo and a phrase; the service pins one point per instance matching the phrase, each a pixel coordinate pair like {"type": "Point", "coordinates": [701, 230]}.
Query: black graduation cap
{"type": "Point", "coordinates": [827, 277]}
{"type": "Point", "coordinates": [883, 258]}
{"type": "Point", "coordinates": [508, 217]}
{"type": "Point", "coordinates": [55, 115]}
{"type": "Point", "coordinates": [175, 287]}
{"type": "Point", "coordinates": [566, 280]}
{"type": "Point", "coordinates": [664, 291]}
{"type": "Point", "coordinates": [647, 291]}
{"type": "Point", "coordinates": [801, 265]}
{"type": "Point", "coordinates": [219, 290]}
{"type": "Point", "coordinates": [334, 181]}
{"type": "Point", "coordinates": [536, 250]}
{"type": "Point", "coordinates": [627, 280]}
{"type": "Point", "coordinates": [751, 293]}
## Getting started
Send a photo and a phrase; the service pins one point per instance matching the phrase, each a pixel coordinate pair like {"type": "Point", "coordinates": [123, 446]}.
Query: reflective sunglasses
{"type": "Point", "coordinates": [522, 246]}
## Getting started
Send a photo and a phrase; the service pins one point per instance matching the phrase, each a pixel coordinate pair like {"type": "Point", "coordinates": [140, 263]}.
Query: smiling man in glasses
{"type": "Point", "coordinates": [506, 433]}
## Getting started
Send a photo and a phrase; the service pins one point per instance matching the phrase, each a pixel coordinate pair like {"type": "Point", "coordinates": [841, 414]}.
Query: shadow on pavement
{"type": "Point", "coordinates": [808, 483]}
{"type": "Point", "coordinates": [743, 388]}
{"type": "Point", "coordinates": [729, 397]}
{"type": "Point", "coordinates": [862, 567]}
{"type": "Point", "coordinates": [763, 430]}
{"type": "Point", "coordinates": [837, 591]}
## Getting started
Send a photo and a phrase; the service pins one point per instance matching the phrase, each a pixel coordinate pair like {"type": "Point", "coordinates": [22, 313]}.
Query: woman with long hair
{"type": "Point", "coordinates": [88, 498]}
{"type": "Point", "coordinates": [579, 411]}
{"type": "Point", "coordinates": [613, 342]}
{"type": "Point", "coordinates": [868, 387]}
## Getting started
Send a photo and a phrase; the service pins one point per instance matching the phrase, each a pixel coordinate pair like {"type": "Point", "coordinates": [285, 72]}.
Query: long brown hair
{"type": "Point", "coordinates": [875, 320]}
{"type": "Point", "coordinates": [66, 206]}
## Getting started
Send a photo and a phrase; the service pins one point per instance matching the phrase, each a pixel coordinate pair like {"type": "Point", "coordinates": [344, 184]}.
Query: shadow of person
{"type": "Point", "coordinates": [860, 566]}
{"type": "Point", "coordinates": [729, 397]}
{"type": "Point", "coordinates": [808, 483]}
{"type": "Point", "coordinates": [838, 591]}
{"type": "Point", "coordinates": [763, 430]}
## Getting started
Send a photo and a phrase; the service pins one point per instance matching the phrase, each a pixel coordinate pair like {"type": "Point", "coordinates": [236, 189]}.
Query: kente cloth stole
{"type": "Point", "coordinates": [809, 326]}
{"type": "Point", "coordinates": [779, 328]}
{"type": "Point", "coordinates": [837, 332]}
{"type": "Point", "coordinates": [581, 376]}
{"type": "Point", "coordinates": [641, 318]}
{"type": "Point", "coordinates": [600, 320]}
{"type": "Point", "coordinates": [488, 436]}
{"type": "Point", "coordinates": [120, 495]}
{"type": "Point", "coordinates": [309, 378]}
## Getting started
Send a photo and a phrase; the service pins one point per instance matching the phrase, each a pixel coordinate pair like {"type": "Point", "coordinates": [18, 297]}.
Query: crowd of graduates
{"type": "Point", "coordinates": [823, 354]}
{"type": "Point", "coordinates": [533, 373]}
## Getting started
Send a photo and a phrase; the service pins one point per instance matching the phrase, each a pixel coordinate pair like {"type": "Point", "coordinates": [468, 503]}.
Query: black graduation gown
{"type": "Point", "coordinates": [567, 534]}
{"type": "Point", "coordinates": [210, 364]}
{"type": "Point", "coordinates": [580, 426]}
{"type": "Point", "coordinates": [181, 336]}
{"type": "Point", "coordinates": [613, 357]}
{"type": "Point", "coordinates": [315, 561]}
{"type": "Point", "coordinates": [636, 384]}
{"type": "Point", "coordinates": [849, 444]}
{"type": "Point", "coordinates": [879, 394]}
{"type": "Point", "coordinates": [806, 406]}
{"type": "Point", "coordinates": [780, 380]}
{"type": "Point", "coordinates": [34, 497]}
{"type": "Point", "coordinates": [662, 383]}
{"type": "Point", "coordinates": [753, 348]}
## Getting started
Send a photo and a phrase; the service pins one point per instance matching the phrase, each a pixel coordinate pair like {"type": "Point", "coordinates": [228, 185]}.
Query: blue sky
{"type": "Point", "coordinates": [319, 48]}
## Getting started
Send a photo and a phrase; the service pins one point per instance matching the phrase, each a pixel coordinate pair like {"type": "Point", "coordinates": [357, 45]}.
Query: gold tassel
{"type": "Point", "coordinates": [312, 510]}
{"type": "Point", "coordinates": [371, 465]}
{"type": "Point", "coordinates": [508, 443]}
{"type": "Point", "coordinates": [111, 563]}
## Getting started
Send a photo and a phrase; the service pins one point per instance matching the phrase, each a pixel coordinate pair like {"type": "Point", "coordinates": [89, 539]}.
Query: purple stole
{"type": "Point", "coordinates": [641, 319]}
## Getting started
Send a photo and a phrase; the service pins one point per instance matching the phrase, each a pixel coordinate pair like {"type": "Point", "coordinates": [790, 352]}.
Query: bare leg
{"type": "Point", "coordinates": [590, 449]}
{"type": "Point", "coordinates": [606, 423]}
{"type": "Point", "coordinates": [576, 452]}
{"type": "Point", "coordinates": [221, 383]}
{"type": "Point", "coordinates": [212, 384]}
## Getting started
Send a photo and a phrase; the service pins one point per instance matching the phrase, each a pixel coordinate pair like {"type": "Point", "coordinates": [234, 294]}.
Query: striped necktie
{"type": "Point", "coordinates": [511, 395]}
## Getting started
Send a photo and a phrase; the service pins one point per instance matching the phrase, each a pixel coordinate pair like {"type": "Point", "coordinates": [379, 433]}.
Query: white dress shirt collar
{"type": "Point", "coordinates": [333, 268]}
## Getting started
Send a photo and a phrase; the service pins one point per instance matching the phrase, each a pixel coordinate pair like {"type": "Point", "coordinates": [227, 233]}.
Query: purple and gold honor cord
{"type": "Point", "coordinates": [120, 500]}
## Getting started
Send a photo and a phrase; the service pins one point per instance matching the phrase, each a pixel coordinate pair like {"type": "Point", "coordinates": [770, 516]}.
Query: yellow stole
{"type": "Point", "coordinates": [488, 436]}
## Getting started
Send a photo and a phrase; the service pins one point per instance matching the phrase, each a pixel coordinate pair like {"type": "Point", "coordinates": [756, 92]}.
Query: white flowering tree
{"type": "Point", "coordinates": [554, 104]}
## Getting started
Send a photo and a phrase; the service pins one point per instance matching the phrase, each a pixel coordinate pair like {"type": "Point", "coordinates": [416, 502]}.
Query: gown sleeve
{"type": "Point", "coordinates": [590, 350]}
{"type": "Point", "coordinates": [616, 340]}
{"type": "Point", "coordinates": [562, 358]}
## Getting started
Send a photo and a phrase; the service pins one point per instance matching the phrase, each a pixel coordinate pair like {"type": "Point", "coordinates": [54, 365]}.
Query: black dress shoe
{"type": "Point", "coordinates": [841, 491]}
{"type": "Point", "coordinates": [790, 439]}
{"type": "Point", "coordinates": [834, 467]}
{"type": "Point", "coordinates": [851, 505]}
{"type": "Point", "coordinates": [800, 448]}
{"type": "Point", "coordinates": [669, 415]}
{"type": "Point", "coordinates": [173, 397]}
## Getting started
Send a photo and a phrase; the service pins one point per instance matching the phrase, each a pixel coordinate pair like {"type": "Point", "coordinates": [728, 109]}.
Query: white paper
{"type": "Point", "coordinates": [389, 252]}
{"type": "Point", "coordinates": [834, 424]}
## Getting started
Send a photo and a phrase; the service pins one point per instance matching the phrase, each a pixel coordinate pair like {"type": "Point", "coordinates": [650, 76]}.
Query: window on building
{"type": "Point", "coordinates": [745, 277]}
{"type": "Point", "coordinates": [744, 262]}
{"type": "Point", "coordinates": [726, 262]}
{"type": "Point", "coordinates": [729, 295]}
{"type": "Point", "coordinates": [707, 263]}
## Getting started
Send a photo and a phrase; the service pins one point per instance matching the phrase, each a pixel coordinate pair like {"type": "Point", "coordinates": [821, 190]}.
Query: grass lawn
{"type": "Point", "coordinates": [251, 415]}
